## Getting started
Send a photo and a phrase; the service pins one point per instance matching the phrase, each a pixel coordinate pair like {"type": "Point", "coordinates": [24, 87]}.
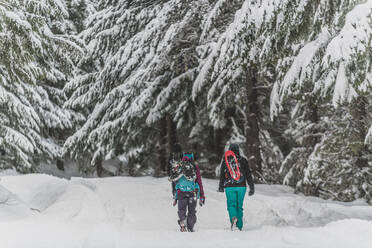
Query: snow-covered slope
{"type": "Point", "coordinates": [44, 211]}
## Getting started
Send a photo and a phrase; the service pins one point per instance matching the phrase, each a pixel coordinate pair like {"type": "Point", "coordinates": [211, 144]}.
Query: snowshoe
{"type": "Point", "coordinates": [176, 171]}
{"type": "Point", "coordinates": [188, 170]}
{"type": "Point", "coordinates": [232, 165]}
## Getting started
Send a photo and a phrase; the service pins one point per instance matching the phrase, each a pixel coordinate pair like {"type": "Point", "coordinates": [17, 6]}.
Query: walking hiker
{"type": "Point", "coordinates": [188, 188]}
{"type": "Point", "coordinates": [235, 174]}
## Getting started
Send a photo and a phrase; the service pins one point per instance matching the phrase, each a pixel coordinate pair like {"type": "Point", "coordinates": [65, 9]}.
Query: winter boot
{"type": "Point", "coordinates": [233, 223]}
{"type": "Point", "coordinates": [182, 226]}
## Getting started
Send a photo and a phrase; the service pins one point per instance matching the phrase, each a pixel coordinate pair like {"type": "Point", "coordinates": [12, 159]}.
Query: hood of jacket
{"type": "Point", "coordinates": [235, 148]}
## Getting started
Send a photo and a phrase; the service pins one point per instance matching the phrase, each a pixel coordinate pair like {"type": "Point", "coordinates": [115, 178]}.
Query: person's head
{"type": "Point", "coordinates": [235, 148]}
{"type": "Point", "coordinates": [177, 151]}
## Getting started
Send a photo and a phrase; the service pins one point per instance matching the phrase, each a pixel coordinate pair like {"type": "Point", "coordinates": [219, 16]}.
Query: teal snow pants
{"type": "Point", "coordinates": [235, 199]}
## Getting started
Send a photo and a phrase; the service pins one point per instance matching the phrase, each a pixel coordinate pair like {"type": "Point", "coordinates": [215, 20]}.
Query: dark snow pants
{"type": "Point", "coordinates": [187, 208]}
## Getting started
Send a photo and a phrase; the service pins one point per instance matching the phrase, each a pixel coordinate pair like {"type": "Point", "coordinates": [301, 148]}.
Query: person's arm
{"type": "Point", "coordinates": [222, 177]}
{"type": "Point", "coordinates": [248, 176]}
{"type": "Point", "coordinates": [199, 181]}
{"type": "Point", "coordinates": [173, 185]}
{"type": "Point", "coordinates": [175, 195]}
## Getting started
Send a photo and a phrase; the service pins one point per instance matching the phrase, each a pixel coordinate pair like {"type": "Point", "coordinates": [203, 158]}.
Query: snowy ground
{"type": "Point", "coordinates": [43, 211]}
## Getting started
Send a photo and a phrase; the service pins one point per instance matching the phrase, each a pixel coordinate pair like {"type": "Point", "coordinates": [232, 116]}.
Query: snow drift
{"type": "Point", "coordinates": [45, 211]}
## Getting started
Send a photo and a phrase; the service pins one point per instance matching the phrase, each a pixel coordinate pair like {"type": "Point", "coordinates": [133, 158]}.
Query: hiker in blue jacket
{"type": "Point", "coordinates": [234, 182]}
{"type": "Point", "coordinates": [187, 192]}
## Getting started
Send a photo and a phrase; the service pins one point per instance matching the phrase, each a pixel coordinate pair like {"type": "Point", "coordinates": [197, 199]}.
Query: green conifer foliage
{"type": "Point", "coordinates": [326, 79]}
{"type": "Point", "coordinates": [34, 64]}
{"type": "Point", "coordinates": [143, 60]}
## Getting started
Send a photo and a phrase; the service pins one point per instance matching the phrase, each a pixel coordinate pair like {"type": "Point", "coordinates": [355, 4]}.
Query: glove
{"type": "Point", "coordinates": [202, 201]}
{"type": "Point", "coordinates": [220, 190]}
{"type": "Point", "coordinates": [251, 192]}
{"type": "Point", "coordinates": [174, 202]}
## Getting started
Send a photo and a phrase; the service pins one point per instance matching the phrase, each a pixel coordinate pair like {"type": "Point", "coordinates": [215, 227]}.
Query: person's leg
{"type": "Point", "coordinates": [191, 215]}
{"type": "Point", "coordinates": [240, 193]}
{"type": "Point", "coordinates": [232, 202]}
{"type": "Point", "coordinates": [182, 206]}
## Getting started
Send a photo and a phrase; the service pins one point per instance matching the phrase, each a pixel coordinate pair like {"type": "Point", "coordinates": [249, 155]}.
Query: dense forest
{"type": "Point", "coordinates": [290, 81]}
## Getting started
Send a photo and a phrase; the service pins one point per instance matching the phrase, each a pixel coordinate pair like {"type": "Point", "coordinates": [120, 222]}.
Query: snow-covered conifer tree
{"type": "Point", "coordinates": [329, 67]}
{"type": "Point", "coordinates": [144, 59]}
{"type": "Point", "coordinates": [275, 76]}
{"type": "Point", "coordinates": [35, 62]}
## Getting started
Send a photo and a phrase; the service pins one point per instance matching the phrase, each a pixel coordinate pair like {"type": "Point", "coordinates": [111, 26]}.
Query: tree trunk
{"type": "Point", "coordinates": [252, 130]}
{"type": "Point", "coordinates": [162, 157]}
{"type": "Point", "coordinates": [359, 113]}
{"type": "Point", "coordinates": [99, 167]}
{"type": "Point", "coordinates": [60, 164]}
{"type": "Point", "coordinates": [310, 140]}
{"type": "Point", "coordinates": [215, 144]}
{"type": "Point", "coordinates": [171, 133]}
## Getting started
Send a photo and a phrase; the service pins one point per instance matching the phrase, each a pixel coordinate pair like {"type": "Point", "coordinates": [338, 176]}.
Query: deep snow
{"type": "Point", "coordinates": [44, 211]}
